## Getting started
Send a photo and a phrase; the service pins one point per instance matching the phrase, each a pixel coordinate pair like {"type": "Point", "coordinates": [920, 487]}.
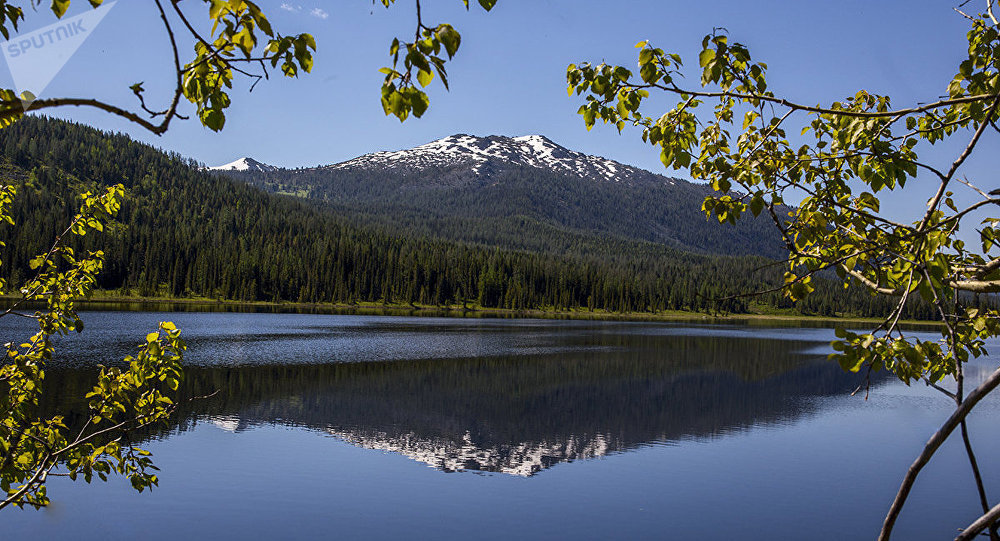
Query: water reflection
{"type": "Point", "coordinates": [539, 397]}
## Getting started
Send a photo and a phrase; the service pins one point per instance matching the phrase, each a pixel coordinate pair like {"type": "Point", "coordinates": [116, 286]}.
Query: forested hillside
{"type": "Point", "coordinates": [184, 232]}
{"type": "Point", "coordinates": [487, 189]}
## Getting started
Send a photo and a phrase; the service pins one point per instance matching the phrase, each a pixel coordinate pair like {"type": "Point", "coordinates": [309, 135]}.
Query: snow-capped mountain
{"type": "Point", "coordinates": [522, 459]}
{"type": "Point", "coordinates": [245, 164]}
{"type": "Point", "coordinates": [515, 192]}
{"type": "Point", "coordinates": [487, 155]}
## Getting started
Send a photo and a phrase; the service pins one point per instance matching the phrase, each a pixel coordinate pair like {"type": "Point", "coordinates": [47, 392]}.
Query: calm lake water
{"type": "Point", "coordinates": [359, 427]}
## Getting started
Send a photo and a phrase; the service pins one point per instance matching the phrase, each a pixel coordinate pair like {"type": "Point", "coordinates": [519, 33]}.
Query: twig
{"type": "Point", "coordinates": [932, 206]}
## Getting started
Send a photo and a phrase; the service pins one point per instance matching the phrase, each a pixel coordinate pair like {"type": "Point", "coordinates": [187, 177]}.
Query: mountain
{"type": "Point", "coordinates": [488, 156]}
{"type": "Point", "coordinates": [186, 232]}
{"type": "Point", "coordinates": [245, 164]}
{"type": "Point", "coordinates": [522, 193]}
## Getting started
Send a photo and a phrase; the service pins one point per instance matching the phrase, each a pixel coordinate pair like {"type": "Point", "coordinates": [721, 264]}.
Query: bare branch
{"type": "Point", "coordinates": [974, 464]}
{"type": "Point", "coordinates": [977, 286]}
{"type": "Point", "coordinates": [12, 109]}
{"type": "Point", "coordinates": [983, 522]}
{"type": "Point", "coordinates": [940, 389]}
{"type": "Point", "coordinates": [932, 446]}
{"type": "Point", "coordinates": [969, 184]}
{"type": "Point", "coordinates": [981, 270]}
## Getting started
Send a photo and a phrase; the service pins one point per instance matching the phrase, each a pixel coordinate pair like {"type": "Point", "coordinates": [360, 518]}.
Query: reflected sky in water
{"type": "Point", "coordinates": [379, 427]}
{"type": "Point", "coordinates": [250, 338]}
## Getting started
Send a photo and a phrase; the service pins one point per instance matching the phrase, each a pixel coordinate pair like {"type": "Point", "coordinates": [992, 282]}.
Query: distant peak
{"type": "Point", "coordinates": [245, 163]}
{"type": "Point", "coordinates": [489, 154]}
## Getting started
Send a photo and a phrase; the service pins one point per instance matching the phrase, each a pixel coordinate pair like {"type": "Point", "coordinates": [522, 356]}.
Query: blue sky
{"type": "Point", "coordinates": [508, 77]}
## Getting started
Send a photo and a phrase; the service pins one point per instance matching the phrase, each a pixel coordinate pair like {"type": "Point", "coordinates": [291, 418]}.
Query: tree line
{"type": "Point", "coordinates": [185, 233]}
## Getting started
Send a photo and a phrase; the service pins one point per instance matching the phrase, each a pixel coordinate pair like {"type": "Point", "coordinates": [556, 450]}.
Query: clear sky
{"type": "Point", "coordinates": [509, 75]}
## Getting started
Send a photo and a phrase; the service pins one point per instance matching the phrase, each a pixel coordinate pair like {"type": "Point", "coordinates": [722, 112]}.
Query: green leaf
{"type": "Point", "coordinates": [450, 38]}
{"type": "Point", "coordinates": [424, 78]}
{"type": "Point", "coordinates": [59, 7]}
{"type": "Point", "coordinates": [706, 57]}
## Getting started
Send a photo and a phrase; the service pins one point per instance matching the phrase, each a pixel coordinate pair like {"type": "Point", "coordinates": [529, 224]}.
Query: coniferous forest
{"type": "Point", "coordinates": [185, 233]}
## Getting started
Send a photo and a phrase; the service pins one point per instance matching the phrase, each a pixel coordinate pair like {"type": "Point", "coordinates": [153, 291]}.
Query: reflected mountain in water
{"type": "Point", "coordinates": [522, 414]}
{"type": "Point", "coordinates": [523, 459]}
{"type": "Point", "coordinates": [544, 393]}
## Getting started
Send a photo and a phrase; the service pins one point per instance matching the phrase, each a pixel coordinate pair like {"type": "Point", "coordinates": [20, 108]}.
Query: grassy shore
{"type": "Point", "coordinates": [766, 317]}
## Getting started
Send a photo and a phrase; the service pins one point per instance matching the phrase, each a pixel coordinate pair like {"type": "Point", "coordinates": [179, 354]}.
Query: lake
{"type": "Point", "coordinates": [366, 427]}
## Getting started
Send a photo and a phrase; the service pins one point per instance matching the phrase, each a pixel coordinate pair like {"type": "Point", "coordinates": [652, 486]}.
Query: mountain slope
{"type": "Point", "coordinates": [184, 232]}
{"type": "Point", "coordinates": [486, 189]}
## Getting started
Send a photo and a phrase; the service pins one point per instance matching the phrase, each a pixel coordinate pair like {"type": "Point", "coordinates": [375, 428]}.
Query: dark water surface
{"type": "Point", "coordinates": [364, 427]}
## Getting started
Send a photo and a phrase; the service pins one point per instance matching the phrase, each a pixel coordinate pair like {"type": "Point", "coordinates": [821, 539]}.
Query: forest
{"type": "Point", "coordinates": [185, 233]}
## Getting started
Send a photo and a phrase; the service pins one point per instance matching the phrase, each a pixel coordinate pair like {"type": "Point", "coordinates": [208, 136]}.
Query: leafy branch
{"type": "Point", "coordinates": [241, 35]}
{"type": "Point", "coordinates": [123, 398]}
{"type": "Point", "coordinates": [845, 156]}
{"type": "Point", "coordinates": [421, 60]}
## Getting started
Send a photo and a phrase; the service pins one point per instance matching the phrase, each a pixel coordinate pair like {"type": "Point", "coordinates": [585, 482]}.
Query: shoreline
{"type": "Point", "coordinates": [162, 304]}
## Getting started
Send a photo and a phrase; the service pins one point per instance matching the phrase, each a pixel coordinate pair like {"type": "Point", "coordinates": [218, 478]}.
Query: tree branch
{"type": "Point", "coordinates": [821, 110]}
{"type": "Point", "coordinates": [977, 476]}
{"type": "Point", "coordinates": [983, 522]}
{"type": "Point", "coordinates": [11, 109]}
{"type": "Point", "coordinates": [932, 446]}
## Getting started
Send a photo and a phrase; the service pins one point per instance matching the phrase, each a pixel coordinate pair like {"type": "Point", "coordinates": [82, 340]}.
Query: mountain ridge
{"type": "Point", "coordinates": [483, 155]}
{"type": "Point", "coordinates": [485, 189]}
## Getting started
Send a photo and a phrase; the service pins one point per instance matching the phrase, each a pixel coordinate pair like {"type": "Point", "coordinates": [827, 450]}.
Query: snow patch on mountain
{"type": "Point", "coordinates": [528, 150]}
{"type": "Point", "coordinates": [244, 164]}
{"type": "Point", "coordinates": [522, 459]}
